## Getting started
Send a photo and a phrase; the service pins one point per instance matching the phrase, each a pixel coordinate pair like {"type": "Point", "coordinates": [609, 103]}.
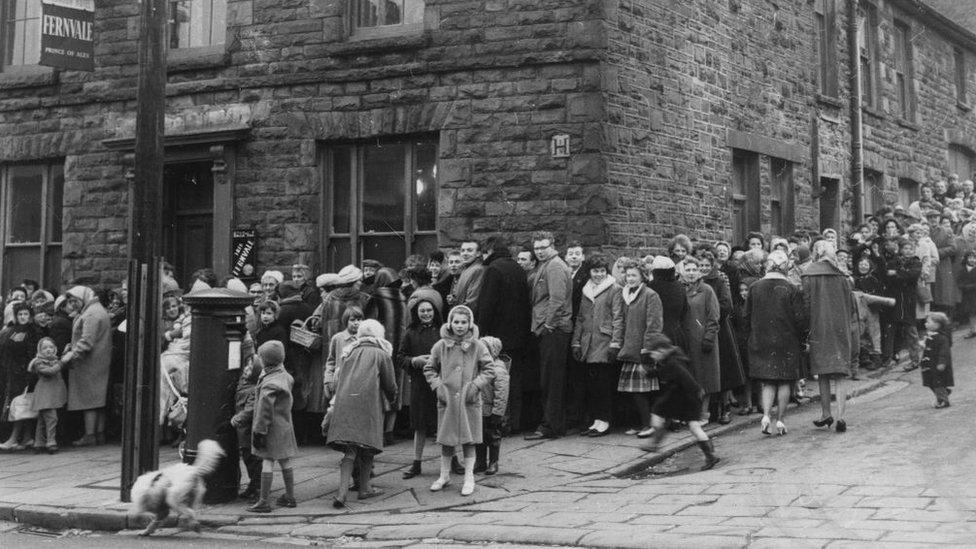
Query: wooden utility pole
{"type": "Point", "coordinates": [140, 452]}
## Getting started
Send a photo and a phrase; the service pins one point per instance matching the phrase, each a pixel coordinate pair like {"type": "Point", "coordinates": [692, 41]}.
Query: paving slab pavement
{"type": "Point", "coordinates": [558, 492]}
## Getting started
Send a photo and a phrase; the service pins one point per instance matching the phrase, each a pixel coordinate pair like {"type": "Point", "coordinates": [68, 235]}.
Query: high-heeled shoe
{"type": "Point", "coordinates": [765, 425]}
{"type": "Point", "coordinates": [824, 422]}
{"type": "Point", "coordinates": [780, 428]}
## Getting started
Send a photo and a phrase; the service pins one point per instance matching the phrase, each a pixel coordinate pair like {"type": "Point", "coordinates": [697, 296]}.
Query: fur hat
{"type": "Point", "coordinates": [272, 353]}
{"type": "Point", "coordinates": [350, 274]}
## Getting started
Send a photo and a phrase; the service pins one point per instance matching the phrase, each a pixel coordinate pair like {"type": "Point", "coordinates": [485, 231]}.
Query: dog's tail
{"type": "Point", "coordinates": [209, 454]}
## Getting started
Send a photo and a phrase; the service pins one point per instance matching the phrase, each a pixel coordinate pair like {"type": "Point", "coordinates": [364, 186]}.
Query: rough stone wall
{"type": "Point", "coordinates": [679, 76]}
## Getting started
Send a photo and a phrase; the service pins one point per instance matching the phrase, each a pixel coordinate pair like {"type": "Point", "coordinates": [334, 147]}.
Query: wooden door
{"type": "Point", "coordinates": [188, 218]}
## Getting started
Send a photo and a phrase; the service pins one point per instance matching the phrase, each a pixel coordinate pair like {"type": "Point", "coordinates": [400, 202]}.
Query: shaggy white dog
{"type": "Point", "coordinates": [178, 488]}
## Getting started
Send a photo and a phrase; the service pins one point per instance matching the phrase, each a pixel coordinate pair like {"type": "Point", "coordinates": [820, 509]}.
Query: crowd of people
{"type": "Point", "coordinates": [492, 338]}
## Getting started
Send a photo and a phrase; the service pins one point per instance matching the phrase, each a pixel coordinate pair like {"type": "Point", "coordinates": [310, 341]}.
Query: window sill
{"type": "Point", "coordinates": [829, 101]}
{"type": "Point", "coordinates": [964, 106]}
{"type": "Point", "coordinates": [191, 59]}
{"type": "Point", "coordinates": [907, 124]}
{"type": "Point", "coordinates": [32, 76]}
{"type": "Point", "coordinates": [873, 112]}
{"type": "Point", "coordinates": [362, 44]}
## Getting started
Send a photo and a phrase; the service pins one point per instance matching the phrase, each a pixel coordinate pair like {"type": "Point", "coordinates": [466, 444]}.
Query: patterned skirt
{"type": "Point", "coordinates": [634, 380]}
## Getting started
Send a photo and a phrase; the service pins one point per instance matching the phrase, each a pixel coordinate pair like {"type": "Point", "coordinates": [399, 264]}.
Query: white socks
{"type": "Point", "coordinates": [445, 477]}
{"type": "Point", "coordinates": [468, 487]}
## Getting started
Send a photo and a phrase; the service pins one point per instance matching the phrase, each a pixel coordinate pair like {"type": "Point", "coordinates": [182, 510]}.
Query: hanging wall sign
{"type": "Point", "coordinates": [243, 244]}
{"type": "Point", "coordinates": [68, 34]}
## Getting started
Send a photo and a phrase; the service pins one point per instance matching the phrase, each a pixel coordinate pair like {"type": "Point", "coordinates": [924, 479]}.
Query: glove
{"type": "Point", "coordinates": [707, 346]}
{"type": "Point", "coordinates": [259, 441]}
{"type": "Point", "coordinates": [614, 351]}
{"type": "Point", "coordinates": [577, 354]}
{"type": "Point", "coordinates": [235, 422]}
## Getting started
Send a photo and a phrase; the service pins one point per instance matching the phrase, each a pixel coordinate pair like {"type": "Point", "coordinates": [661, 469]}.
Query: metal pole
{"type": "Point", "coordinates": [140, 451]}
{"type": "Point", "coordinates": [857, 124]}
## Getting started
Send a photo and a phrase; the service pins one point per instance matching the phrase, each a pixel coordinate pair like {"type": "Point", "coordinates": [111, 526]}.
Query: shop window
{"type": "Point", "coordinates": [904, 71]}
{"type": "Point", "coordinates": [825, 15]}
{"type": "Point", "coordinates": [197, 23]}
{"type": "Point", "coordinates": [376, 18]}
{"type": "Point", "coordinates": [959, 57]}
{"type": "Point", "coordinates": [745, 194]}
{"type": "Point", "coordinates": [381, 201]}
{"type": "Point", "coordinates": [867, 42]}
{"type": "Point", "coordinates": [32, 196]}
{"type": "Point", "coordinates": [20, 33]}
{"type": "Point", "coordinates": [781, 196]}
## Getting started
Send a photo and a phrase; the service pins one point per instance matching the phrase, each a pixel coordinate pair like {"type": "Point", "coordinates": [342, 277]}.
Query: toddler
{"type": "Point", "coordinates": [494, 398]}
{"type": "Point", "coordinates": [244, 406]}
{"type": "Point", "coordinates": [270, 330]}
{"type": "Point", "coordinates": [937, 359]}
{"type": "Point", "coordinates": [50, 393]}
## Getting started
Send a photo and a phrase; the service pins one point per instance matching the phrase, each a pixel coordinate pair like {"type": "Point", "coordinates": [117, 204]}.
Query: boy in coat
{"type": "Point", "coordinates": [272, 434]}
{"type": "Point", "coordinates": [494, 398]}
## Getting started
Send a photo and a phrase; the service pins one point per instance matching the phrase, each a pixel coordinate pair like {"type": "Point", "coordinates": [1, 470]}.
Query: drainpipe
{"type": "Point", "coordinates": [857, 123]}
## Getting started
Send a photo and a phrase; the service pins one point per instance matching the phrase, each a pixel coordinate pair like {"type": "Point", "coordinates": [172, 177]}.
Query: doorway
{"type": "Point", "coordinates": [829, 204]}
{"type": "Point", "coordinates": [188, 218]}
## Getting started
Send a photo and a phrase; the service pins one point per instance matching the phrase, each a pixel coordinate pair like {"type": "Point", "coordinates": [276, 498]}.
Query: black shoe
{"type": "Point", "coordinates": [595, 433]}
{"type": "Point", "coordinates": [286, 501]}
{"type": "Point", "coordinates": [841, 426]}
{"type": "Point", "coordinates": [413, 471]}
{"type": "Point", "coordinates": [540, 435]}
{"type": "Point", "coordinates": [492, 468]}
{"type": "Point", "coordinates": [586, 432]}
{"type": "Point", "coordinates": [825, 422]}
{"type": "Point", "coordinates": [480, 468]}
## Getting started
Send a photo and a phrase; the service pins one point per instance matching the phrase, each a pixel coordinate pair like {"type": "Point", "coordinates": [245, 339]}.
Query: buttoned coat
{"type": "Point", "coordinates": [701, 325]}
{"type": "Point", "coordinates": [600, 322]}
{"type": "Point", "coordinates": [455, 365]}
{"type": "Point", "coordinates": [643, 321]}
{"type": "Point", "coordinates": [91, 343]}
{"type": "Point", "coordinates": [272, 415]}
{"type": "Point", "coordinates": [552, 294]}
{"type": "Point", "coordinates": [828, 303]}
{"type": "Point", "coordinates": [364, 378]}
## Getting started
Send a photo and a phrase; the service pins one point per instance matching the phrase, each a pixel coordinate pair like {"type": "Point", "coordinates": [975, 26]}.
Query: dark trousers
{"type": "Point", "coordinates": [516, 388]}
{"type": "Point", "coordinates": [553, 349]}
{"type": "Point", "coordinates": [577, 377]}
{"type": "Point", "coordinates": [489, 449]}
{"type": "Point", "coordinates": [600, 386]}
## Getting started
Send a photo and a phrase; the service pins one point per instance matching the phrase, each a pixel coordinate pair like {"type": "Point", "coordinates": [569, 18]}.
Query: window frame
{"type": "Point", "coordinates": [785, 198]}
{"type": "Point", "coordinates": [21, 69]}
{"type": "Point", "coordinates": [825, 22]}
{"type": "Point", "coordinates": [44, 245]}
{"type": "Point", "coordinates": [356, 234]}
{"type": "Point", "coordinates": [749, 200]}
{"type": "Point", "coordinates": [873, 190]}
{"type": "Point", "coordinates": [195, 53]}
{"type": "Point", "coordinates": [904, 68]}
{"type": "Point", "coordinates": [868, 55]}
{"type": "Point", "coordinates": [961, 75]}
{"type": "Point", "coordinates": [357, 32]}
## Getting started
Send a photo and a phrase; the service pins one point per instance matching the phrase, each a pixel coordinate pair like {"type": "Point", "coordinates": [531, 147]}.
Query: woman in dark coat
{"type": "Point", "coordinates": [674, 300]}
{"type": "Point", "coordinates": [731, 373]}
{"type": "Point", "coordinates": [701, 327]}
{"type": "Point", "coordinates": [424, 331]}
{"type": "Point", "coordinates": [298, 360]}
{"type": "Point", "coordinates": [901, 274]}
{"type": "Point", "coordinates": [18, 345]}
{"type": "Point", "coordinates": [774, 315]}
{"type": "Point", "coordinates": [363, 379]}
{"type": "Point", "coordinates": [828, 303]}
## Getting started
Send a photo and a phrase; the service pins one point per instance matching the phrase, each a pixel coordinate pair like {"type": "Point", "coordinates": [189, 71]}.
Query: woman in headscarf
{"type": "Point", "coordinates": [269, 284]}
{"type": "Point", "coordinates": [18, 344]}
{"type": "Point", "coordinates": [674, 301]}
{"type": "Point", "coordinates": [88, 362]}
{"type": "Point", "coordinates": [828, 302]}
{"type": "Point", "coordinates": [774, 315]}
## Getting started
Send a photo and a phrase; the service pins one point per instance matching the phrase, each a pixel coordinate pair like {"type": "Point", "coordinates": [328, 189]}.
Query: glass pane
{"type": "Point", "coordinates": [383, 188]}
{"type": "Point", "coordinates": [425, 244]}
{"type": "Point", "coordinates": [388, 250]}
{"type": "Point", "coordinates": [218, 23]}
{"type": "Point", "coordinates": [392, 12]}
{"type": "Point", "coordinates": [52, 268]}
{"type": "Point", "coordinates": [413, 11]}
{"type": "Point", "coordinates": [339, 254]}
{"type": "Point", "coordinates": [24, 201]}
{"type": "Point", "coordinates": [341, 188]}
{"type": "Point", "coordinates": [191, 185]}
{"type": "Point", "coordinates": [367, 13]}
{"type": "Point", "coordinates": [55, 203]}
{"type": "Point", "coordinates": [425, 185]}
{"type": "Point", "coordinates": [179, 24]}
{"type": "Point", "coordinates": [21, 263]}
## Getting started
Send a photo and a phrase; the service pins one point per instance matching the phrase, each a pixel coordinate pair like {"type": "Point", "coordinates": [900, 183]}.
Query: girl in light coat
{"type": "Point", "coordinates": [460, 367]}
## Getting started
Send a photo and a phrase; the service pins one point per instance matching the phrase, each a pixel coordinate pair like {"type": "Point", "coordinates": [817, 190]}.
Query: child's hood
{"type": "Point", "coordinates": [466, 342]}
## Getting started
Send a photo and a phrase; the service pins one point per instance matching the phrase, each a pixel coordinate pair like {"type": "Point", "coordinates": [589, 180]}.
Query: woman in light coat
{"type": "Point", "coordinates": [460, 367]}
{"type": "Point", "coordinates": [701, 327]}
{"type": "Point", "coordinates": [596, 342]}
{"type": "Point", "coordinates": [88, 362]}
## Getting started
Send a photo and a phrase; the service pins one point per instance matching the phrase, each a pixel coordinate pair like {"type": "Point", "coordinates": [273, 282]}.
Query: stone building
{"type": "Point", "coordinates": [344, 129]}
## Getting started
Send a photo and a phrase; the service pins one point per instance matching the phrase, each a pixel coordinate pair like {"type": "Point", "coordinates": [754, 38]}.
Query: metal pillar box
{"type": "Point", "coordinates": [215, 366]}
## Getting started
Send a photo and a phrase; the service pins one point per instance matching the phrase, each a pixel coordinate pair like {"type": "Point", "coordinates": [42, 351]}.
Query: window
{"type": "Point", "coordinates": [745, 193]}
{"type": "Point", "coordinates": [781, 196]}
{"type": "Point", "coordinates": [867, 45]}
{"type": "Point", "coordinates": [829, 203]}
{"type": "Point", "coordinates": [960, 60]}
{"type": "Point", "coordinates": [873, 191]}
{"type": "Point", "coordinates": [386, 17]}
{"type": "Point", "coordinates": [826, 20]}
{"type": "Point", "coordinates": [962, 162]}
{"type": "Point", "coordinates": [20, 31]}
{"type": "Point", "coordinates": [32, 202]}
{"type": "Point", "coordinates": [197, 23]}
{"type": "Point", "coordinates": [381, 201]}
{"type": "Point", "coordinates": [908, 191]}
{"type": "Point", "coordinates": [904, 71]}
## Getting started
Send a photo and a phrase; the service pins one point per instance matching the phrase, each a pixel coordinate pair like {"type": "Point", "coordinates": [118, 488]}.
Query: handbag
{"type": "Point", "coordinates": [21, 407]}
{"type": "Point", "coordinates": [924, 292]}
{"type": "Point", "coordinates": [176, 415]}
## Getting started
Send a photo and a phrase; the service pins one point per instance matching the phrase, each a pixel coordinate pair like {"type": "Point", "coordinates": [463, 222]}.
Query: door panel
{"type": "Point", "coordinates": [188, 218]}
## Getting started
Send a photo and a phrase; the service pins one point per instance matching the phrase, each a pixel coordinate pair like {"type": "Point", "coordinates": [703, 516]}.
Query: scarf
{"type": "Point", "coordinates": [591, 290]}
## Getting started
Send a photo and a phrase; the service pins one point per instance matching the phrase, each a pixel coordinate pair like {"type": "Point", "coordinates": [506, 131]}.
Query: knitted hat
{"type": "Point", "coordinates": [662, 263]}
{"type": "Point", "coordinates": [327, 279]}
{"type": "Point", "coordinates": [277, 276]}
{"type": "Point", "coordinates": [350, 274]}
{"type": "Point", "coordinates": [426, 294]}
{"type": "Point", "coordinates": [272, 353]}
{"type": "Point", "coordinates": [493, 344]}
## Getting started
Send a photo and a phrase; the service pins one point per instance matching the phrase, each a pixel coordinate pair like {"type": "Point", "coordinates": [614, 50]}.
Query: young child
{"type": "Point", "coordinates": [937, 359]}
{"type": "Point", "coordinates": [494, 397]}
{"type": "Point", "coordinates": [459, 368]}
{"type": "Point", "coordinates": [966, 280]}
{"type": "Point", "coordinates": [681, 398]}
{"type": "Point", "coordinates": [270, 329]}
{"type": "Point", "coordinates": [50, 393]}
{"type": "Point", "coordinates": [272, 433]}
{"type": "Point", "coordinates": [242, 420]}
{"type": "Point", "coordinates": [351, 318]}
